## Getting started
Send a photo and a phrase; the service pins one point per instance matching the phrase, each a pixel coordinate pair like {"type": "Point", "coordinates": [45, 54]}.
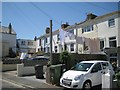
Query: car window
{"type": "Point", "coordinates": [105, 65]}
{"type": "Point", "coordinates": [96, 68]}
{"type": "Point", "coordinates": [82, 66]}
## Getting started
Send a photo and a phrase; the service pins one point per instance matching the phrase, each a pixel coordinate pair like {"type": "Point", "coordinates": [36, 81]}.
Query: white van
{"type": "Point", "coordinates": [85, 74]}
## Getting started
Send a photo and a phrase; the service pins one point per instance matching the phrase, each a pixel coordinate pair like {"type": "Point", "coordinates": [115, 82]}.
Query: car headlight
{"type": "Point", "coordinates": [77, 77]}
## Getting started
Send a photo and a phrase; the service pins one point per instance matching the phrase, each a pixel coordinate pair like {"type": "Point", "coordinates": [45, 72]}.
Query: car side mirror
{"type": "Point", "coordinates": [64, 70]}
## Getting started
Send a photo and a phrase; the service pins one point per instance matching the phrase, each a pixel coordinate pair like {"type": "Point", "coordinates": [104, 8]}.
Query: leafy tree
{"type": "Point", "coordinates": [65, 59]}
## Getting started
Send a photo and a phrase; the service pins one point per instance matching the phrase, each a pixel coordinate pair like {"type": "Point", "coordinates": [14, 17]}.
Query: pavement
{"type": "Point", "coordinates": [29, 82]}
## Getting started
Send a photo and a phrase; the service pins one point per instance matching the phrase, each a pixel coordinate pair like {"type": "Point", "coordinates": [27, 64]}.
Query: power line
{"type": "Point", "coordinates": [44, 12]}
{"type": "Point", "coordinates": [99, 6]}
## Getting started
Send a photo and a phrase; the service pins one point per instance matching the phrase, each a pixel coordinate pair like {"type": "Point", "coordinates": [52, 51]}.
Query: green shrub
{"type": "Point", "coordinates": [118, 75]}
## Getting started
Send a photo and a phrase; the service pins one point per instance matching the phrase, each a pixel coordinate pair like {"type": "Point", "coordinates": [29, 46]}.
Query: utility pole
{"type": "Point", "coordinates": [51, 42]}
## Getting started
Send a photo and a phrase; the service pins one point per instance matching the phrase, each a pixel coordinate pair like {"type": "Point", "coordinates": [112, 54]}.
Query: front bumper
{"type": "Point", "coordinates": [71, 84]}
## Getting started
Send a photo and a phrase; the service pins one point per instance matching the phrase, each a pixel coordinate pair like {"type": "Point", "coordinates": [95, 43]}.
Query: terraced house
{"type": "Point", "coordinates": [95, 35]}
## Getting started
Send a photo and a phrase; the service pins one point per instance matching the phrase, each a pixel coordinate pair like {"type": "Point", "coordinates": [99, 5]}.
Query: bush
{"type": "Point", "coordinates": [65, 59]}
{"type": "Point", "coordinates": [118, 75]}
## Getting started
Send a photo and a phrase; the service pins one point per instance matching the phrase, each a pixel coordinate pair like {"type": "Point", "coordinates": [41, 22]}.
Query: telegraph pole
{"type": "Point", "coordinates": [51, 42]}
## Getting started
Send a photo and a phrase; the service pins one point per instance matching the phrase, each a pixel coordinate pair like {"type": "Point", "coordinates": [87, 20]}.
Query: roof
{"type": "Point", "coordinates": [5, 30]}
{"type": "Point", "coordinates": [94, 61]}
{"type": "Point", "coordinates": [97, 18]}
{"type": "Point", "coordinates": [47, 35]}
{"type": "Point", "coordinates": [80, 23]}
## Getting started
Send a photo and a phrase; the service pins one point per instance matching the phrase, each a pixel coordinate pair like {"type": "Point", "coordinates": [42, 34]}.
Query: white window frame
{"type": "Point", "coordinates": [72, 47]}
{"type": "Point", "coordinates": [87, 28]}
{"type": "Point", "coordinates": [111, 22]}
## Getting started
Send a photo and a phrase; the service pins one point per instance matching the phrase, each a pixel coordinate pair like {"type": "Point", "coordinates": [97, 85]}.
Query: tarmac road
{"type": "Point", "coordinates": [11, 80]}
{"type": "Point", "coordinates": [8, 84]}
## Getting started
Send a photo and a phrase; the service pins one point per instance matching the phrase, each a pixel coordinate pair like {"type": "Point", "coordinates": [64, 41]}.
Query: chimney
{"type": "Point", "coordinates": [35, 38]}
{"type": "Point", "coordinates": [10, 28]}
{"type": "Point", "coordinates": [91, 16]}
{"type": "Point", "coordinates": [47, 30]}
{"type": "Point", "coordinates": [65, 25]}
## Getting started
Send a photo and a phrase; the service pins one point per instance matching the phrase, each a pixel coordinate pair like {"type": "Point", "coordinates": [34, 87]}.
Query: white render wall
{"type": "Point", "coordinates": [104, 31]}
{"type": "Point", "coordinates": [0, 45]}
{"type": "Point", "coordinates": [118, 30]}
{"type": "Point", "coordinates": [8, 41]}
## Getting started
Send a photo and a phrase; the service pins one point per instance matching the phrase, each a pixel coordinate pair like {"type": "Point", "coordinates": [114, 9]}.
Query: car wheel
{"type": "Point", "coordinates": [87, 85]}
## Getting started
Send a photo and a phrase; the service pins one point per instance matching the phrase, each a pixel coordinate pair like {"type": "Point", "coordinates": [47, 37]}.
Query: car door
{"type": "Point", "coordinates": [96, 74]}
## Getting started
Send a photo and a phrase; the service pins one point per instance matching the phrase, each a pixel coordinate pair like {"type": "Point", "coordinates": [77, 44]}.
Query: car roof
{"type": "Point", "coordinates": [41, 57]}
{"type": "Point", "coordinates": [93, 61]}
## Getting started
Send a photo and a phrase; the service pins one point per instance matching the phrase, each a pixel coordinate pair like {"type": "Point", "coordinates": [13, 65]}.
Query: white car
{"type": "Point", "coordinates": [85, 74]}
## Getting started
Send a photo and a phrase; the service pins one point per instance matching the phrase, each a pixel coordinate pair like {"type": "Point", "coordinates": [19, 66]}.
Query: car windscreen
{"type": "Point", "coordinates": [82, 66]}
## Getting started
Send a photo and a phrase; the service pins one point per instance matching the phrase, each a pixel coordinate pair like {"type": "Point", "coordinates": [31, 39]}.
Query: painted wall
{"type": "Point", "coordinates": [104, 31]}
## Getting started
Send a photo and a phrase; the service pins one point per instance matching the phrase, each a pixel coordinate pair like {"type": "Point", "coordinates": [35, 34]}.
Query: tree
{"type": "Point", "coordinates": [65, 59]}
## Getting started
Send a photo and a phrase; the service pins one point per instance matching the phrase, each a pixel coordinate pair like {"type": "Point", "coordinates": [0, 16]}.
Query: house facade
{"type": "Point", "coordinates": [95, 35]}
{"type": "Point", "coordinates": [26, 46]}
{"type": "Point", "coordinates": [7, 41]}
{"type": "Point", "coordinates": [99, 34]}
{"type": "Point", "coordinates": [43, 42]}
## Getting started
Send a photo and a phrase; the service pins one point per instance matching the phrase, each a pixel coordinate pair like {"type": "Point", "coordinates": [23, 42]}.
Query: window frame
{"type": "Point", "coordinates": [72, 47]}
{"type": "Point", "coordinates": [103, 44]}
{"type": "Point", "coordinates": [111, 40]}
{"type": "Point", "coordinates": [88, 28]}
{"type": "Point", "coordinates": [111, 22]}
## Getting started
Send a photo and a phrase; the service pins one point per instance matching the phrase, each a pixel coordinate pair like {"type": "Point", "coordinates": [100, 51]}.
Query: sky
{"type": "Point", "coordinates": [30, 19]}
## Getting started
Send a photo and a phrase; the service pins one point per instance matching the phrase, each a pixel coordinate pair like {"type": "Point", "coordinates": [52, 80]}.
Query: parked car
{"type": "Point", "coordinates": [40, 58]}
{"type": "Point", "coordinates": [85, 74]}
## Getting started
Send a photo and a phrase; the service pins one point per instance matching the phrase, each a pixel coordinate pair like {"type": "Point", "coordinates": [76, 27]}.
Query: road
{"type": "Point", "coordinates": [8, 84]}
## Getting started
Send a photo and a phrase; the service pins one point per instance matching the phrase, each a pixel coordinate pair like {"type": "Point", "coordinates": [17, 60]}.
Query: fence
{"type": "Point", "coordinates": [26, 62]}
{"type": "Point", "coordinates": [75, 58]}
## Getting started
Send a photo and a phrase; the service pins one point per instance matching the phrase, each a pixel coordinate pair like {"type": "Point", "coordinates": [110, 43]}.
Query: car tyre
{"type": "Point", "coordinates": [87, 85]}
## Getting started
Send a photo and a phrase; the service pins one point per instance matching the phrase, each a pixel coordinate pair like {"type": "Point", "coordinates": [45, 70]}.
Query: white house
{"type": "Point", "coordinates": [43, 42]}
{"type": "Point", "coordinates": [7, 41]}
{"type": "Point", "coordinates": [95, 35]}
{"type": "Point", "coordinates": [26, 46]}
{"type": "Point", "coordinates": [98, 34]}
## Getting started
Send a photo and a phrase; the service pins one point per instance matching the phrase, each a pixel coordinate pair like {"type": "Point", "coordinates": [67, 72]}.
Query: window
{"type": "Point", "coordinates": [111, 22]}
{"type": "Point", "coordinates": [97, 67]}
{"type": "Point", "coordinates": [45, 40]}
{"type": "Point", "coordinates": [101, 45]}
{"type": "Point", "coordinates": [72, 47]}
{"type": "Point", "coordinates": [112, 42]}
{"type": "Point", "coordinates": [113, 57]}
{"type": "Point", "coordinates": [71, 31]}
{"type": "Point", "coordinates": [30, 43]}
{"type": "Point", "coordinates": [39, 42]}
{"type": "Point", "coordinates": [38, 49]}
{"type": "Point", "coordinates": [22, 42]}
{"type": "Point", "coordinates": [58, 37]}
{"type": "Point", "coordinates": [41, 48]}
{"type": "Point", "coordinates": [87, 28]}
{"type": "Point", "coordinates": [82, 67]}
{"type": "Point", "coordinates": [55, 49]}
{"type": "Point", "coordinates": [105, 65]}
{"type": "Point", "coordinates": [65, 46]}
{"type": "Point", "coordinates": [48, 49]}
